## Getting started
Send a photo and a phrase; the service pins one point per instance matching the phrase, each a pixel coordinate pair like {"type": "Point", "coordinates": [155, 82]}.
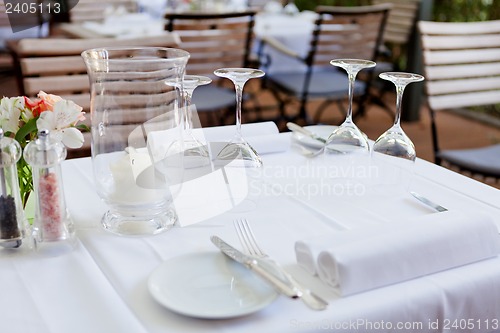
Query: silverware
{"type": "Point", "coordinates": [309, 152]}
{"type": "Point", "coordinates": [428, 202]}
{"type": "Point", "coordinates": [298, 129]}
{"type": "Point", "coordinates": [260, 267]}
{"type": "Point", "coordinates": [249, 242]}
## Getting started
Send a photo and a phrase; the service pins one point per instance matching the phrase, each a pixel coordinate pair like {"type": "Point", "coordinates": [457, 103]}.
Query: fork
{"type": "Point", "coordinates": [250, 245]}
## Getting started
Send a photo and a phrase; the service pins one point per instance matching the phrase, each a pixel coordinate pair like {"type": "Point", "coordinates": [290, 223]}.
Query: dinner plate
{"type": "Point", "coordinates": [208, 285]}
{"type": "Point", "coordinates": [323, 131]}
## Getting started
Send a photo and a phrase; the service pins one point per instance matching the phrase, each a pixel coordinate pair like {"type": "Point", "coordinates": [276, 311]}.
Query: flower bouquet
{"type": "Point", "coordinates": [21, 118]}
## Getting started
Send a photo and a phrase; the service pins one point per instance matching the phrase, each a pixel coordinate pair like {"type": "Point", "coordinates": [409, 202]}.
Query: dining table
{"type": "Point", "coordinates": [104, 283]}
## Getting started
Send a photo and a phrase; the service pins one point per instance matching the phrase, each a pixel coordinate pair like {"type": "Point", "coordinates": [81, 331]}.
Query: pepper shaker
{"type": "Point", "coordinates": [13, 224]}
{"type": "Point", "coordinates": [52, 225]}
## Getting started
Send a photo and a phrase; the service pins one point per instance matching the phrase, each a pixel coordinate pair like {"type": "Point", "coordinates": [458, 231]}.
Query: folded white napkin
{"type": "Point", "coordinates": [263, 137]}
{"type": "Point", "coordinates": [362, 259]}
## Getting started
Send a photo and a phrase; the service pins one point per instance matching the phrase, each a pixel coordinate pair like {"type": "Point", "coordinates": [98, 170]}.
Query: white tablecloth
{"type": "Point", "coordinates": [102, 285]}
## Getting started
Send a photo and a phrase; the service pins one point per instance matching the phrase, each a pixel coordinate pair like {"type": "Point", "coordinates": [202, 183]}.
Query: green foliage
{"type": "Point", "coordinates": [466, 10]}
{"type": "Point", "coordinates": [444, 10]}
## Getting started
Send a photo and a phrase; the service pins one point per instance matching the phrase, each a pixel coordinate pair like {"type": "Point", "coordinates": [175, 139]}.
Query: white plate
{"type": "Point", "coordinates": [323, 131]}
{"type": "Point", "coordinates": [208, 285]}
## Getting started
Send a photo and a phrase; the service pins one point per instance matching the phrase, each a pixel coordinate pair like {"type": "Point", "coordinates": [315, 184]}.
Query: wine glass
{"type": "Point", "coordinates": [393, 152]}
{"type": "Point", "coordinates": [347, 138]}
{"type": "Point", "coordinates": [195, 152]}
{"type": "Point", "coordinates": [238, 151]}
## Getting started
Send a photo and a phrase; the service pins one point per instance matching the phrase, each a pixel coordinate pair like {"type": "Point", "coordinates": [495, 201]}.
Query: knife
{"type": "Point", "coordinates": [289, 287]}
{"type": "Point", "coordinates": [259, 267]}
{"type": "Point", "coordinates": [296, 128]}
{"type": "Point", "coordinates": [429, 203]}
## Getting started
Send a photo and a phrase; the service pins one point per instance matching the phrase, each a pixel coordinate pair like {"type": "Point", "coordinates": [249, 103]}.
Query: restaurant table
{"type": "Point", "coordinates": [101, 286]}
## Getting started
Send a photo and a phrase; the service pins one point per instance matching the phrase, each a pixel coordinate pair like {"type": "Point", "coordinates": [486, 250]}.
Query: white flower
{"type": "Point", "coordinates": [60, 121]}
{"type": "Point", "coordinates": [10, 111]}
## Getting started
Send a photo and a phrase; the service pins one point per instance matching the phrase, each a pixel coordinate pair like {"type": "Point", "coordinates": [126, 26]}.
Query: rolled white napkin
{"type": "Point", "coordinates": [362, 259]}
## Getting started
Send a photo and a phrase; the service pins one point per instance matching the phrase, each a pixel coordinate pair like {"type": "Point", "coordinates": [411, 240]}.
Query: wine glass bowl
{"type": "Point", "coordinates": [347, 138]}
{"type": "Point", "coordinates": [238, 151]}
{"type": "Point", "coordinates": [195, 152]}
{"type": "Point", "coordinates": [394, 141]}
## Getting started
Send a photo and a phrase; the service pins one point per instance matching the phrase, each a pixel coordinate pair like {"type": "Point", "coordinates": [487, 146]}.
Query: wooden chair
{"type": "Point", "coordinates": [214, 40]}
{"type": "Point", "coordinates": [55, 66]}
{"type": "Point", "coordinates": [462, 69]}
{"type": "Point", "coordinates": [340, 32]}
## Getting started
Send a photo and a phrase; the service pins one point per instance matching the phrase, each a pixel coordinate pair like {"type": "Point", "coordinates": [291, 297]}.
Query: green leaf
{"type": "Point", "coordinates": [28, 128]}
{"type": "Point", "coordinates": [83, 127]}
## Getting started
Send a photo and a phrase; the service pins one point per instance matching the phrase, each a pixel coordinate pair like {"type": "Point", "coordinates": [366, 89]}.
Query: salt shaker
{"type": "Point", "coordinates": [13, 224]}
{"type": "Point", "coordinates": [52, 225]}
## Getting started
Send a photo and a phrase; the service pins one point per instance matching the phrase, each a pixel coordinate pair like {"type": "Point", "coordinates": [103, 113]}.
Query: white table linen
{"type": "Point", "coordinates": [102, 285]}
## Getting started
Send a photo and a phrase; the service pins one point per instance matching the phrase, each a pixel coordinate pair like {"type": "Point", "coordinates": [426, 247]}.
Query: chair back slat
{"type": "Point", "coordinates": [465, 85]}
{"type": "Point", "coordinates": [462, 42]}
{"type": "Point", "coordinates": [461, 100]}
{"type": "Point", "coordinates": [460, 56]}
{"type": "Point", "coordinates": [454, 72]}
{"type": "Point", "coordinates": [95, 10]}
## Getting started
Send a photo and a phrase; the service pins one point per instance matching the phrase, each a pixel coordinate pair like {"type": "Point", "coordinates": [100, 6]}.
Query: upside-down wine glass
{"type": "Point", "coordinates": [238, 151]}
{"type": "Point", "coordinates": [393, 152]}
{"type": "Point", "coordinates": [347, 138]}
{"type": "Point", "coordinates": [195, 152]}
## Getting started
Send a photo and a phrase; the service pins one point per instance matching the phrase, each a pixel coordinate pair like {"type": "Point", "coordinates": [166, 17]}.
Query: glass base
{"type": "Point", "coordinates": [138, 225]}
{"type": "Point", "coordinates": [11, 243]}
{"type": "Point", "coordinates": [347, 139]}
{"type": "Point", "coordinates": [238, 154]}
{"type": "Point", "coordinates": [195, 155]}
{"type": "Point", "coordinates": [54, 246]}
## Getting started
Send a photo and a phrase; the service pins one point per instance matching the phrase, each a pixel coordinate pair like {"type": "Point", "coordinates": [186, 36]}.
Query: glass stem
{"type": "Point", "coordinates": [399, 98]}
{"type": "Point", "coordinates": [239, 97]}
{"type": "Point", "coordinates": [188, 123]}
{"type": "Point", "coordinates": [352, 78]}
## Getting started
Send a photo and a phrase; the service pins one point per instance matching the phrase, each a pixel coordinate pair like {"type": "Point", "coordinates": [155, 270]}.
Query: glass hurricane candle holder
{"type": "Point", "coordinates": [136, 124]}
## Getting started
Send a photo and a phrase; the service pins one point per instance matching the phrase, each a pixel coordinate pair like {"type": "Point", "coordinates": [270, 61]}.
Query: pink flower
{"type": "Point", "coordinates": [48, 100]}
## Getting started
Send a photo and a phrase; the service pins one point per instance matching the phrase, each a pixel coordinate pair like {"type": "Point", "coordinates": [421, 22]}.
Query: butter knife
{"type": "Point", "coordinates": [429, 203]}
{"type": "Point", "coordinates": [296, 128]}
{"type": "Point", "coordinates": [257, 266]}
